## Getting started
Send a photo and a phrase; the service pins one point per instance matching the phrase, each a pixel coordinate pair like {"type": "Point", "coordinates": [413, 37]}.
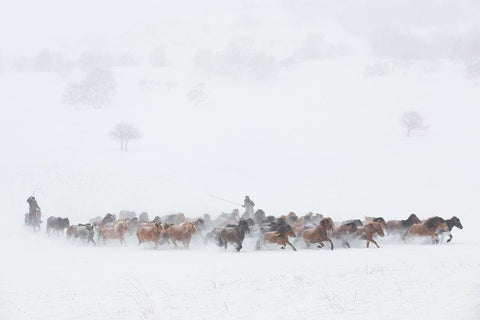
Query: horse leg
{"type": "Point", "coordinates": [239, 247]}
{"type": "Point", "coordinates": [320, 244]}
{"type": "Point", "coordinates": [291, 245]}
{"type": "Point", "coordinates": [345, 243]}
{"type": "Point", "coordinates": [331, 244]}
{"type": "Point", "coordinates": [450, 238]}
{"type": "Point", "coordinates": [368, 243]}
{"type": "Point", "coordinates": [375, 242]}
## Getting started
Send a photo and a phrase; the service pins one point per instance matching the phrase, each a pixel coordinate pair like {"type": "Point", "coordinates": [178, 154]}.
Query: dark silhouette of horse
{"type": "Point", "coordinates": [344, 232]}
{"type": "Point", "coordinates": [400, 226]}
{"type": "Point", "coordinates": [453, 222]}
{"type": "Point", "coordinates": [57, 224]}
{"type": "Point", "coordinates": [234, 235]}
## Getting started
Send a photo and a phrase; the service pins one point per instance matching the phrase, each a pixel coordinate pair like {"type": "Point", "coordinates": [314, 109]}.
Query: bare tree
{"type": "Point", "coordinates": [96, 90]}
{"type": "Point", "coordinates": [412, 120]}
{"type": "Point", "coordinates": [123, 132]}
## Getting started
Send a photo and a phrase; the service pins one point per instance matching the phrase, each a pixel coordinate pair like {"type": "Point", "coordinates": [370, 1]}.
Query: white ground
{"type": "Point", "coordinates": [50, 278]}
{"type": "Point", "coordinates": [320, 135]}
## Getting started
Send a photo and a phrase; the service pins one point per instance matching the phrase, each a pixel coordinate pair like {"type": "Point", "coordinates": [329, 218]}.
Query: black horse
{"type": "Point", "coordinates": [453, 222]}
{"type": "Point", "coordinates": [233, 234]}
{"type": "Point", "coordinates": [57, 224]}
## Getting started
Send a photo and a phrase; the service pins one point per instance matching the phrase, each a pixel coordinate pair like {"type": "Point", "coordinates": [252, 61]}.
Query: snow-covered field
{"type": "Point", "coordinates": [51, 278]}
{"type": "Point", "coordinates": [295, 103]}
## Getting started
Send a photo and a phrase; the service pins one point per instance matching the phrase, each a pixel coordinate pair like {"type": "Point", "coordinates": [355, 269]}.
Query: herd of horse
{"type": "Point", "coordinates": [286, 230]}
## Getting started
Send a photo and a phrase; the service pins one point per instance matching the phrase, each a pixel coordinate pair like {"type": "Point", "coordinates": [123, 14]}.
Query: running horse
{"type": "Point", "coordinates": [453, 222]}
{"type": "Point", "coordinates": [279, 237]}
{"type": "Point", "coordinates": [345, 231]}
{"type": "Point", "coordinates": [430, 228]}
{"type": "Point", "coordinates": [233, 234]}
{"type": "Point", "coordinates": [400, 226]}
{"type": "Point", "coordinates": [319, 234]}
{"type": "Point", "coordinates": [116, 232]}
{"type": "Point", "coordinates": [368, 231]}
{"type": "Point", "coordinates": [182, 232]}
{"type": "Point", "coordinates": [151, 234]}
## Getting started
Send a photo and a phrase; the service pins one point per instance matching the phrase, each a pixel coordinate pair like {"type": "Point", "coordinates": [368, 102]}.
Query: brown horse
{"type": "Point", "coordinates": [279, 237]}
{"type": "Point", "coordinates": [430, 227]}
{"type": "Point", "coordinates": [319, 234]}
{"type": "Point", "coordinates": [153, 234]}
{"type": "Point", "coordinates": [400, 226]}
{"type": "Point", "coordinates": [344, 231]}
{"type": "Point", "coordinates": [115, 232]}
{"type": "Point", "coordinates": [368, 231]}
{"type": "Point", "coordinates": [182, 232]}
{"type": "Point", "coordinates": [234, 235]}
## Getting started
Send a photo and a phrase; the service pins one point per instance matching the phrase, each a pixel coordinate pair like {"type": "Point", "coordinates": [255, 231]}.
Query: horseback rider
{"type": "Point", "coordinates": [33, 207]}
{"type": "Point", "coordinates": [248, 205]}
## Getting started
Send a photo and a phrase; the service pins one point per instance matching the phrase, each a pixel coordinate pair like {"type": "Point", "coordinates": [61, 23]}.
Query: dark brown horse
{"type": "Point", "coordinates": [279, 237]}
{"type": "Point", "coordinates": [345, 231]}
{"type": "Point", "coordinates": [151, 234]}
{"type": "Point", "coordinates": [319, 234]}
{"type": "Point", "coordinates": [368, 231]}
{"type": "Point", "coordinates": [234, 235]}
{"type": "Point", "coordinates": [57, 224]}
{"type": "Point", "coordinates": [400, 226]}
{"type": "Point", "coordinates": [453, 222]}
{"type": "Point", "coordinates": [431, 227]}
{"type": "Point", "coordinates": [108, 218]}
{"type": "Point", "coordinates": [182, 232]}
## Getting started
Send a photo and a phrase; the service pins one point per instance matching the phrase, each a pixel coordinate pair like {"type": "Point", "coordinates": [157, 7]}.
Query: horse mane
{"type": "Point", "coordinates": [411, 217]}
{"type": "Point", "coordinates": [433, 221]}
{"type": "Point", "coordinates": [352, 225]}
{"type": "Point", "coordinates": [379, 219]}
{"type": "Point", "coordinates": [117, 226]}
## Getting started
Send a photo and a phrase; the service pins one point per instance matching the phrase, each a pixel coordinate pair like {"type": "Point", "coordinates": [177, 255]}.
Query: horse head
{"type": "Point", "coordinates": [327, 223]}
{"type": "Point", "coordinates": [456, 222]}
{"type": "Point", "coordinates": [244, 226]}
{"type": "Point", "coordinates": [290, 231]}
{"type": "Point", "coordinates": [377, 227]}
